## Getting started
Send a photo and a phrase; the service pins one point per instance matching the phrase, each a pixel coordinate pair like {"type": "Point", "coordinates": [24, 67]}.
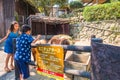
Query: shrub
{"type": "Point", "coordinates": [76, 4]}
{"type": "Point", "coordinates": [114, 0]}
{"type": "Point", "coordinates": [102, 12]}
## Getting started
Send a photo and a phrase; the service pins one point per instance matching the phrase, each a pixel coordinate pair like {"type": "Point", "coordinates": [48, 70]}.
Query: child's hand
{"type": "Point", "coordinates": [8, 32]}
{"type": "Point", "coordinates": [38, 36]}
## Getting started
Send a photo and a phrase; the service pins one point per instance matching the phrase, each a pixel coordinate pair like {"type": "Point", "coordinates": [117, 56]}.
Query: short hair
{"type": "Point", "coordinates": [25, 28]}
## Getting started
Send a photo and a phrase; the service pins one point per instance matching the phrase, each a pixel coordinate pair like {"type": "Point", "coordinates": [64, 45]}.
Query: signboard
{"type": "Point", "coordinates": [50, 61]}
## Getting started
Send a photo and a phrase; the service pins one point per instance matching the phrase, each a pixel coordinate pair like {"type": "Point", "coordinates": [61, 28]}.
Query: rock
{"type": "Point", "coordinates": [107, 30]}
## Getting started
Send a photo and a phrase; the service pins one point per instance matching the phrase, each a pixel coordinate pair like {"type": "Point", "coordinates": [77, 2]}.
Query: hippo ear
{"type": "Point", "coordinates": [65, 41]}
{"type": "Point", "coordinates": [54, 41]}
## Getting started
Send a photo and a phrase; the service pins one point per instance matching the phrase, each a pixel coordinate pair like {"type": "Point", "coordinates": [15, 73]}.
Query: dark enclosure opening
{"type": "Point", "coordinates": [49, 28]}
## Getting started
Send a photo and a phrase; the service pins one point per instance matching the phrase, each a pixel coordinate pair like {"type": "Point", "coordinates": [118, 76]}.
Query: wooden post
{"type": "Point", "coordinates": [2, 28]}
{"type": "Point", "coordinates": [17, 73]}
{"type": "Point", "coordinates": [94, 40]}
{"type": "Point", "coordinates": [63, 28]}
{"type": "Point", "coordinates": [45, 29]}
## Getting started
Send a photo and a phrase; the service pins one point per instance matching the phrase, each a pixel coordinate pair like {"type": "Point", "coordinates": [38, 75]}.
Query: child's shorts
{"type": "Point", "coordinates": [23, 68]}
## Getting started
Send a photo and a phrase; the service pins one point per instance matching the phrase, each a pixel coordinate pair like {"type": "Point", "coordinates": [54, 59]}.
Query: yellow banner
{"type": "Point", "coordinates": [50, 61]}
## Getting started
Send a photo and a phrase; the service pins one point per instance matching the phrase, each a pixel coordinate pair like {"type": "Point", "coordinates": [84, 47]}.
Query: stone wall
{"type": "Point", "coordinates": [109, 31]}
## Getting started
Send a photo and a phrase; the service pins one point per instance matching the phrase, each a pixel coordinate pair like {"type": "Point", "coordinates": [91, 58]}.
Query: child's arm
{"type": "Point", "coordinates": [37, 38]}
{"type": "Point", "coordinates": [4, 38]}
{"type": "Point", "coordinates": [19, 32]}
{"type": "Point", "coordinates": [34, 49]}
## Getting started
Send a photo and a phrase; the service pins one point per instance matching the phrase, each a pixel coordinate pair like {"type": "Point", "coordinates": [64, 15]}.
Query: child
{"type": "Point", "coordinates": [8, 48]}
{"type": "Point", "coordinates": [23, 51]}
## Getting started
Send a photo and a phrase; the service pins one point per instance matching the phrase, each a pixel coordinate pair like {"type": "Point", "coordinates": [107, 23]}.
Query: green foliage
{"type": "Point", "coordinates": [114, 0]}
{"type": "Point", "coordinates": [76, 4]}
{"type": "Point", "coordinates": [45, 5]}
{"type": "Point", "coordinates": [16, 16]}
{"type": "Point", "coordinates": [106, 11]}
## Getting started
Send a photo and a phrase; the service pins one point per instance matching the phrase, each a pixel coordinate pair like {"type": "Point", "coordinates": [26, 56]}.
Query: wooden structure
{"type": "Point", "coordinates": [49, 26]}
{"type": "Point", "coordinates": [8, 8]}
{"type": "Point", "coordinates": [6, 15]}
{"type": "Point", "coordinates": [1, 19]}
{"type": "Point", "coordinates": [23, 9]}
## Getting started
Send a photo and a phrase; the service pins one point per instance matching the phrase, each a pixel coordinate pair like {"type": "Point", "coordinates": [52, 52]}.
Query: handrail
{"type": "Point", "coordinates": [67, 47]}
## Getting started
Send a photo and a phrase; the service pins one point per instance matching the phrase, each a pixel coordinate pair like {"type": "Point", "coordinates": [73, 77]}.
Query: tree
{"type": "Point", "coordinates": [46, 5]}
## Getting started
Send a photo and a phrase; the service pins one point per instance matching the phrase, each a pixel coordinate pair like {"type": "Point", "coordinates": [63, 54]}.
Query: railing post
{"type": "Point", "coordinates": [93, 40]}
{"type": "Point", "coordinates": [96, 40]}
{"type": "Point", "coordinates": [17, 74]}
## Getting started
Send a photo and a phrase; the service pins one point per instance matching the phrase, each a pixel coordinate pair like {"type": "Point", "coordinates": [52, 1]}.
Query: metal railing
{"type": "Point", "coordinates": [80, 73]}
